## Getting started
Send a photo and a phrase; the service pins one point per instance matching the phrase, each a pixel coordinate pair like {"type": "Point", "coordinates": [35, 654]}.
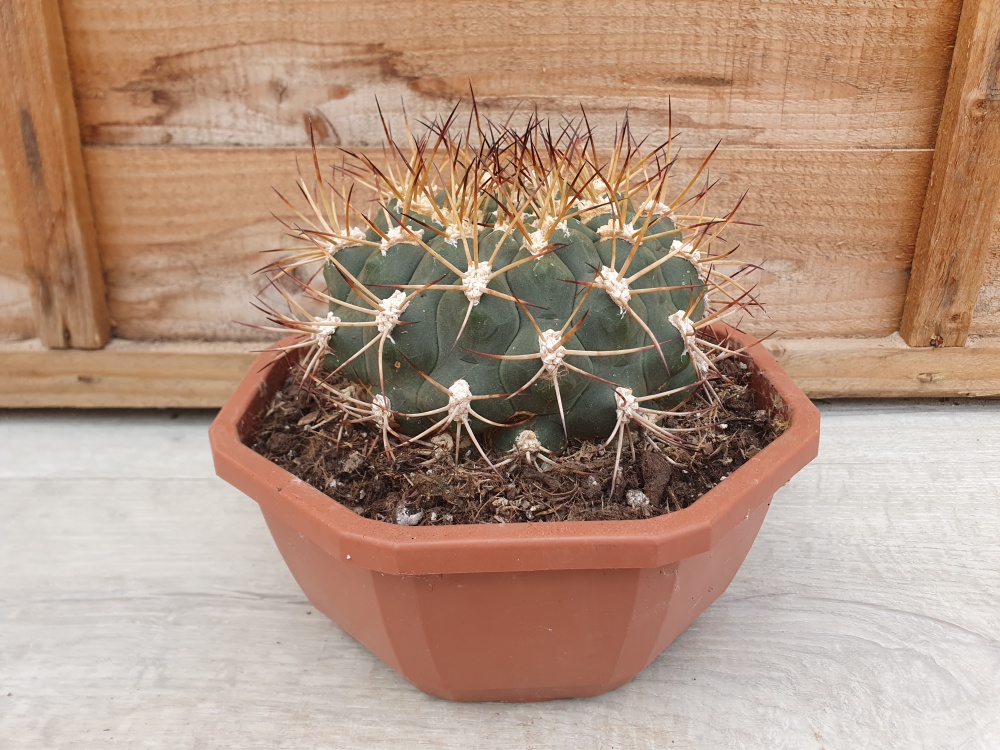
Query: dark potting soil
{"type": "Point", "coordinates": [425, 486]}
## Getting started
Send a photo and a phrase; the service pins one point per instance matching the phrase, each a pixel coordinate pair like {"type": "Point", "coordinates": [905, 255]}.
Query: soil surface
{"type": "Point", "coordinates": [425, 486]}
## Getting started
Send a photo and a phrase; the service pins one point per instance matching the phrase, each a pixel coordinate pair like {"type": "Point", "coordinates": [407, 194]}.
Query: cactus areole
{"type": "Point", "coordinates": [506, 281]}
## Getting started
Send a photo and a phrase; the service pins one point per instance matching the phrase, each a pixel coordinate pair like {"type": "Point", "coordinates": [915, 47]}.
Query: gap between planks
{"type": "Point", "coordinates": [132, 374]}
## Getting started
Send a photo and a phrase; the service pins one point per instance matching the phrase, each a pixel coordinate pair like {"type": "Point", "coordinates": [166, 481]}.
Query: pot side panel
{"type": "Point", "coordinates": [702, 579]}
{"type": "Point", "coordinates": [512, 636]}
{"type": "Point", "coordinates": [343, 592]}
{"type": "Point", "coordinates": [524, 636]}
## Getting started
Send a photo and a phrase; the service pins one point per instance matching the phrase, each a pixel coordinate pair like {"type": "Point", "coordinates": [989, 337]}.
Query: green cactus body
{"type": "Point", "coordinates": [507, 284]}
{"type": "Point", "coordinates": [556, 289]}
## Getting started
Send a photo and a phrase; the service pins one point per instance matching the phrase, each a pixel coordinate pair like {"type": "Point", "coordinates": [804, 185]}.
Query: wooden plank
{"type": "Point", "coordinates": [131, 374]}
{"type": "Point", "coordinates": [836, 73]}
{"type": "Point", "coordinates": [963, 196]}
{"type": "Point", "coordinates": [124, 374]}
{"type": "Point", "coordinates": [888, 368]}
{"type": "Point", "coordinates": [16, 318]}
{"type": "Point", "coordinates": [986, 317]}
{"type": "Point", "coordinates": [40, 142]}
{"type": "Point", "coordinates": [182, 229]}
{"type": "Point", "coordinates": [147, 609]}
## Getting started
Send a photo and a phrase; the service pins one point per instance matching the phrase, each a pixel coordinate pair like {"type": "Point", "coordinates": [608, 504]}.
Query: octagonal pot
{"type": "Point", "coordinates": [515, 612]}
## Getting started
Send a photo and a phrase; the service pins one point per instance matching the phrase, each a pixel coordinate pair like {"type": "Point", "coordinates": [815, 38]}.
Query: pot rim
{"type": "Point", "coordinates": [480, 548]}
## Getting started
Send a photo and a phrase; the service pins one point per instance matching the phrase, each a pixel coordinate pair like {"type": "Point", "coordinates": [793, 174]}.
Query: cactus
{"type": "Point", "coordinates": [509, 285]}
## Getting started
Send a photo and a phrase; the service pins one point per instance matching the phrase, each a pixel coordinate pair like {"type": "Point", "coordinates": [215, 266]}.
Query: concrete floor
{"type": "Point", "coordinates": [143, 604]}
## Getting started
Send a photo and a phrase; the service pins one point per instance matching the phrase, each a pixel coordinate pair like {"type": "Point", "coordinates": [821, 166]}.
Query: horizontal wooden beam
{"type": "Point", "coordinates": [124, 374]}
{"type": "Point", "coordinates": [138, 375]}
{"type": "Point", "coordinates": [888, 368]}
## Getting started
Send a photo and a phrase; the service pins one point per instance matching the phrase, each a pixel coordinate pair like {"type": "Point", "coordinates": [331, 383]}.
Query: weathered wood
{"type": "Point", "coordinates": [837, 73]}
{"type": "Point", "coordinates": [134, 374]}
{"type": "Point", "coordinates": [888, 368]}
{"type": "Point", "coordinates": [40, 142]}
{"type": "Point", "coordinates": [986, 317]}
{"type": "Point", "coordinates": [182, 230]}
{"type": "Point", "coordinates": [145, 606]}
{"type": "Point", "coordinates": [124, 374]}
{"type": "Point", "coordinates": [16, 318]}
{"type": "Point", "coordinates": [963, 196]}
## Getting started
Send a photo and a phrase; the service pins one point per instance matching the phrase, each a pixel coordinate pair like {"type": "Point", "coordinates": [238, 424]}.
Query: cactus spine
{"type": "Point", "coordinates": [509, 285]}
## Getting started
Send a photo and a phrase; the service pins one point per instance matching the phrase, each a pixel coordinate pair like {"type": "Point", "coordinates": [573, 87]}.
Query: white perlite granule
{"type": "Point", "coordinates": [636, 498]}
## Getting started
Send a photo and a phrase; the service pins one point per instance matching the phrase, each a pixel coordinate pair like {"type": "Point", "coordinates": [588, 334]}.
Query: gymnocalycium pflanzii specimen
{"type": "Point", "coordinates": [518, 285]}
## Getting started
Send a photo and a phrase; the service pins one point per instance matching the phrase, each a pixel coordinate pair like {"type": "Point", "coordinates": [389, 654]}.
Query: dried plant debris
{"type": "Point", "coordinates": [424, 484]}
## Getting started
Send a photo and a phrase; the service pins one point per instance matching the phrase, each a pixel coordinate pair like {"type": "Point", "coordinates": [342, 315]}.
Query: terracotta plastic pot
{"type": "Point", "coordinates": [516, 612]}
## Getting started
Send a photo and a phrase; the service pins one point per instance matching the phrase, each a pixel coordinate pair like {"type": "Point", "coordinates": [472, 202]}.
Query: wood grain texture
{"type": "Point", "coordinates": [40, 141]}
{"type": "Point", "coordinates": [888, 368]}
{"type": "Point", "coordinates": [144, 605]}
{"type": "Point", "coordinates": [182, 231]}
{"type": "Point", "coordinates": [16, 318]}
{"type": "Point", "coordinates": [986, 316]}
{"type": "Point", "coordinates": [838, 73]}
{"type": "Point", "coordinates": [134, 374]}
{"type": "Point", "coordinates": [124, 374]}
{"type": "Point", "coordinates": [963, 196]}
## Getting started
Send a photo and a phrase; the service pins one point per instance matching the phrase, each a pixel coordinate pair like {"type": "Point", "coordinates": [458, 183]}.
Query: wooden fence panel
{"type": "Point", "coordinates": [810, 73]}
{"type": "Point", "coordinates": [191, 111]}
{"type": "Point", "coordinates": [182, 229]}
